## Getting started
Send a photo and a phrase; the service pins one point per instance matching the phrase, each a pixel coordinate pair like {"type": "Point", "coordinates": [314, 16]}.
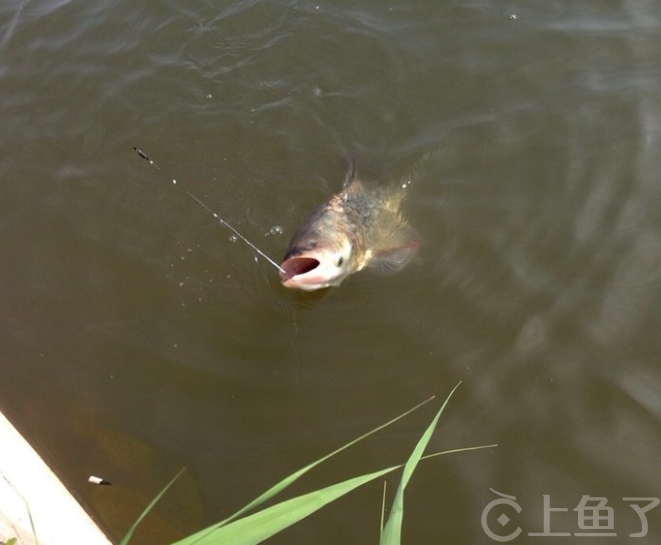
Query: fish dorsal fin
{"type": "Point", "coordinates": [397, 250]}
{"type": "Point", "coordinates": [351, 169]}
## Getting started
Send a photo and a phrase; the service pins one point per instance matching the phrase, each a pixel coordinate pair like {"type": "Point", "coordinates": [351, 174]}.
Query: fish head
{"type": "Point", "coordinates": [322, 254]}
{"type": "Point", "coordinates": [317, 268]}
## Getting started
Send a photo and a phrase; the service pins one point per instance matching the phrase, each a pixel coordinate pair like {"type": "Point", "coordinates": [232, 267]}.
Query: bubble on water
{"type": "Point", "coordinates": [208, 96]}
{"type": "Point", "coordinates": [174, 181]}
{"type": "Point", "coordinates": [513, 16]}
{"type": "Point", "coordinates": [181, 284]}
{"type": "Point", "coordinates": [233, 238]}
{"type": "Point", "coordinates": [275, 231]}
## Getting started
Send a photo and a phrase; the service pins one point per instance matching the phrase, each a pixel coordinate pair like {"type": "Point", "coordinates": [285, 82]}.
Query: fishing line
{"type": "Point", "coordinates": [144, 156]}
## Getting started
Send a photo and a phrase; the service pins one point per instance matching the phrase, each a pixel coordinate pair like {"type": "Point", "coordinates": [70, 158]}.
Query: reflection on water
{"type": "Point", "coordinates": [138, 339]}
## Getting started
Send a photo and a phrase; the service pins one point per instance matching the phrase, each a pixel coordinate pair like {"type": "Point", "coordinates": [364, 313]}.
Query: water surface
{"type": "Point", "coordinates": [137, 338]}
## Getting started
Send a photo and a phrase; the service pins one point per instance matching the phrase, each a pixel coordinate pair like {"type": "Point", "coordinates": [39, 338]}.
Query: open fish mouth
{"type": "Point", "coordinates": [296, 266]}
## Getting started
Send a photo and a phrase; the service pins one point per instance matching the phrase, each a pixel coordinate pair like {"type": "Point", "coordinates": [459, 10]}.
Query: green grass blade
{"type": "Point", "coordinates": [456, 450]}
{"type": "Point", "coordinates": [264, 524]}
{"type": "Point", "coordinates": [129, 534]}
{"type": "Point", "coordinates": [383, 506]}
{"type": "Point", "coordinates": [391, 534]}
{"type": "Point", "coordinates": [287, 481]}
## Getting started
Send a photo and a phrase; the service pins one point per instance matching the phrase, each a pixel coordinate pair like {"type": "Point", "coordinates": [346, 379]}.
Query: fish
{"type": "Point", "coordinates": [362, 226]}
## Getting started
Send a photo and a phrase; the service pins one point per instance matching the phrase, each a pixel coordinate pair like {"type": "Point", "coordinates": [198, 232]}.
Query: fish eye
{"type": "Point", "coordinates": [340, 260]}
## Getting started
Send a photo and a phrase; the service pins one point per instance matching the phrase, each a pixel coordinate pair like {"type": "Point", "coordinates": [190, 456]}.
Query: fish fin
{"type": "Point", "coordinates": [398, 252]}
{"type": "Point", "coordinates": [351, 169]}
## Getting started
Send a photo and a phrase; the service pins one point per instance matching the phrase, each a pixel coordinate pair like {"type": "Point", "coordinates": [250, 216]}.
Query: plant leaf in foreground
{"type": "Point", "coordinates": [287, 481]}
{"type": "Point", "coordinates": [391, 534]}
{"type": "Point", "coordinates": [255, 528]}
{"type": "Point", "coordinates": [259, 526]}
{"type": "Point", "coordinates": [129, 534]}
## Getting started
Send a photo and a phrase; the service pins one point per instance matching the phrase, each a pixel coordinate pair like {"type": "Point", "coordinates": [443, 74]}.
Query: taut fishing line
{"type": "Point", "coordinates": [144, 156]}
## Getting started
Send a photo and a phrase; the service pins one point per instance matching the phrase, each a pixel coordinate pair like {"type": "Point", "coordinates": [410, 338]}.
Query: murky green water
{"type": "Point", "coordinates": [136, 338]}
